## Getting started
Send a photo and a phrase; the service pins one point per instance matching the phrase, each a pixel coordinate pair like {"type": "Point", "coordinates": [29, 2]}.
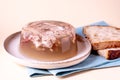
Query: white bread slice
{"type": "Point", "coordinates": [111, 53]}
{"type": "Point", "coordinates": [103, 37]}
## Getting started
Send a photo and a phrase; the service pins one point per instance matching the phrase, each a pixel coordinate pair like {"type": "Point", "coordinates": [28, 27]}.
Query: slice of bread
{"type": "Point", "coordinates": [111, 53]}
{"type": "Point", "coordinates": [103, 37]}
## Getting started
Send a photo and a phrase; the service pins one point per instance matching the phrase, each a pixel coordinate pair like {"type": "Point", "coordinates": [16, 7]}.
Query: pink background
{"type": "Point", "coordinates": [16, 13]}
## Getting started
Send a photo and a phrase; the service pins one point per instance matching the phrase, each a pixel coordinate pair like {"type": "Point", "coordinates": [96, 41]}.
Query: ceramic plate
{"type": "Point", "coordinates": [11, 45]}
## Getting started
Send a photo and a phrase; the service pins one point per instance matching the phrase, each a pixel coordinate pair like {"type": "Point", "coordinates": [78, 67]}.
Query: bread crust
{"type": "Point", "coordinates": [106, 45]}
{"type": "Point", "coordinates": [110, 54]}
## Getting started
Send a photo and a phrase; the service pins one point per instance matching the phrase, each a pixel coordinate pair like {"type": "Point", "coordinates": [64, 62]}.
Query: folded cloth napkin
{"type": "Point", "coordinates": [92, 62]}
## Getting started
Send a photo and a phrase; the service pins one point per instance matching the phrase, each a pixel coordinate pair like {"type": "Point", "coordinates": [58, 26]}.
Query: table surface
{"type": "Point", "coordinates": [14, 14]}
